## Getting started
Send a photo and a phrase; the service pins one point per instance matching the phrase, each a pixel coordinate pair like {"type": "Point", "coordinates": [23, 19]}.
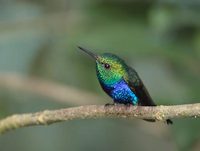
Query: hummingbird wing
{"type": "Point", "coordinates": [136, 85]}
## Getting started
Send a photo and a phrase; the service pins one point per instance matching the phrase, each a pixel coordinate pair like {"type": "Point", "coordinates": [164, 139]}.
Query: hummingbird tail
{"type": "Point", "coordinates": [168, 121]}
{"type": "Point", "coordinates": [149, 120]}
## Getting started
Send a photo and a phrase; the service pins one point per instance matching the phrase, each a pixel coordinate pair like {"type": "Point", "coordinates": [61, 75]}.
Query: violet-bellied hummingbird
{"type": "Point", "coordinates": [120, 81]}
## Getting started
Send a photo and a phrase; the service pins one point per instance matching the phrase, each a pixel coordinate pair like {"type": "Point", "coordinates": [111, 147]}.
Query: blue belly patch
{"type": "Point", "coordinates": [123, 94]}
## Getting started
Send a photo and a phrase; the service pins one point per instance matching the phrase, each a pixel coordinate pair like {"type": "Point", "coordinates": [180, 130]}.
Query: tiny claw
{"type": "Point", "coordinates": [128, 105]}
{"type": "Point", "coordinates": [109, 104]}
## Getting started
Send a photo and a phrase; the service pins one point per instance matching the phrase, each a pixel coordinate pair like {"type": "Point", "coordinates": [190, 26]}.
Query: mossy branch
{"type": "Point", "coordinates": [159, 113]}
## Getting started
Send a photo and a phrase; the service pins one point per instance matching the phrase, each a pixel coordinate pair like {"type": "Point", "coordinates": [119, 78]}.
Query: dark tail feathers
{"type": "Point", "coordinates": [168, 121]}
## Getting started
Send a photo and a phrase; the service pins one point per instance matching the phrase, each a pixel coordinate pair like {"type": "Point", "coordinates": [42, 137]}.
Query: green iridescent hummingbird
{"type": "Point", "coordinates": [120, 81]}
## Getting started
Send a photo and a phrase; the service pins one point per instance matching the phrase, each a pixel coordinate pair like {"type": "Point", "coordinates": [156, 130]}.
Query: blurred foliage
{"type": "Point", "coordinates": [161, 39]}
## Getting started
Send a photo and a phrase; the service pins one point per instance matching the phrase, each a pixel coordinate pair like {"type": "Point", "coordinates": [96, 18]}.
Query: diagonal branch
{"type": "Point", "coordinates": [54, 91]}
{"type": "Point", "coordinates": [159, 113]}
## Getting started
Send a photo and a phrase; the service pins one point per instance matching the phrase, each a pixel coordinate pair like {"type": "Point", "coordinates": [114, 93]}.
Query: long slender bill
{"type": "Point", "coordinates": [94, 56]}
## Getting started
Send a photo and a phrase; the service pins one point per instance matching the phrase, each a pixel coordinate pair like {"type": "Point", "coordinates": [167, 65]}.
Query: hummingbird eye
{"type": "Point", "coordinates": [107, 66]}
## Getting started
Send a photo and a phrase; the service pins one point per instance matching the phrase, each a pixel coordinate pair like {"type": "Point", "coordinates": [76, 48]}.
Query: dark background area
{"type": "Point", "coordinates": [159, 38]}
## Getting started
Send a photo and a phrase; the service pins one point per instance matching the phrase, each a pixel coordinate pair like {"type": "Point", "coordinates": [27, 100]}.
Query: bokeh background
{"type": "Point", "coordinates": [38, 40]}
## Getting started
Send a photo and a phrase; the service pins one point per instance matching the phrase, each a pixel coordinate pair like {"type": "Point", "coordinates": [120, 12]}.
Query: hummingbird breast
{"type": "Point", "coordinates": [120, 92]}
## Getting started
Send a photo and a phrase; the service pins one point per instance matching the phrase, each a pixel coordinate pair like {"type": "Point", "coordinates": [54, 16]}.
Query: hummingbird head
{"type": "Point", "coordinates": [110, 68]}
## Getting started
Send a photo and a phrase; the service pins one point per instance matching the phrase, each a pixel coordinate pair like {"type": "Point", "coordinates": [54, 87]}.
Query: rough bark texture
{"type": "Point", "coordinates": [159, 113]}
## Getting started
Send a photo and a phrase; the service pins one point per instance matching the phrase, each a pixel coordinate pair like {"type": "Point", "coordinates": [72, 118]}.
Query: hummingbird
{"type": "Point", "coordinates": [120, 81]}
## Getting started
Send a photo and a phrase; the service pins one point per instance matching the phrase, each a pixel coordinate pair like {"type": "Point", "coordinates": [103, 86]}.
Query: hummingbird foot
{"type": "Point", "coordinates": [110, 104]}
{"type": "Point", "coordinates": [128, 104]}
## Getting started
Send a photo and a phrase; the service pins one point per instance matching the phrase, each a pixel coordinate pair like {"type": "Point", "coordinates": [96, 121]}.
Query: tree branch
{"type": "Point", "coordinates": [57, 92]}
{"type": "Point", "coordinates": [159, 113]}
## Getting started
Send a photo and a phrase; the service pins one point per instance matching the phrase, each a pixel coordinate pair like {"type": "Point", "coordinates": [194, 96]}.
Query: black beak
{"type": "Point", "coordinates": [94, 56]}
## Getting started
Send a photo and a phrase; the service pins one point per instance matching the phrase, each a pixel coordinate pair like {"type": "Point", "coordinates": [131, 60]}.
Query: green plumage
{"type": "Point", "coordinates": [120, 81]}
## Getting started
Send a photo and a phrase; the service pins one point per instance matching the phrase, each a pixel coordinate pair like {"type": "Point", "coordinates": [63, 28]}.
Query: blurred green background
{"type": "Point", "coordinates": [159, 38]}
